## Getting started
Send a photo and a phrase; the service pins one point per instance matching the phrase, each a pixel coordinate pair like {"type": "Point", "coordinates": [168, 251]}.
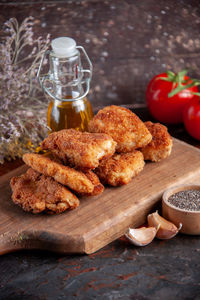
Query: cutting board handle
{"type": "Point", "coordinates": [15, 241]}
{"type": "Point", "coordinates": [44, 240]}
{"type": "Point", "coordinates": [10, 243]}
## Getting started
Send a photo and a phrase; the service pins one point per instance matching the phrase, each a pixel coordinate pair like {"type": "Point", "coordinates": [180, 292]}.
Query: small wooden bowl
{"type": "Point", "coordinates": [190, 219]}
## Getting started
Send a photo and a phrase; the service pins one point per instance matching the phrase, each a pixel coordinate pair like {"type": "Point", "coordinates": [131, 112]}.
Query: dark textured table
{"type": "Point", "coordinates": [128, 42]}
{"type": "Point", "coordinates": [162, 270]}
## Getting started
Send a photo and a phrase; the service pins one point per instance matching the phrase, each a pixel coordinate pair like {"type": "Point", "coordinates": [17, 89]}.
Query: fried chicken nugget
{"type": "Point", "coordinates": [76, 180]}
{"type": "Point", "coordinates": [83, 150]}
{"type": "Point", "coordinates": [161, 145]}
{"type": "Point", "coordinates": [123, 126]}
{"type": "Point", "coordinates": [120, 168]}
{"type": "Point", "coordinates": [98, 187]}
{"type": "Point", "coordinates": [36, 193]}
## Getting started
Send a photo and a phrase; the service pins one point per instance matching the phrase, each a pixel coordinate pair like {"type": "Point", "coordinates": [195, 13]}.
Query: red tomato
{"type": "Point", "coordinates": [165, 109]}
{"type": "Point", "coordinates": [191, 117]}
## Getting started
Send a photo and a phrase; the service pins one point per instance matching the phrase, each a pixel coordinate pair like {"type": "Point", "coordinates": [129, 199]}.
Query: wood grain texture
{"type": "Point", "coordinates": [98, 220]}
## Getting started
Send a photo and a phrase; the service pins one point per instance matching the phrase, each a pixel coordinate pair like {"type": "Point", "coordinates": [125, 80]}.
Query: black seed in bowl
{"type": "Point", "coordinates": [187, 200]}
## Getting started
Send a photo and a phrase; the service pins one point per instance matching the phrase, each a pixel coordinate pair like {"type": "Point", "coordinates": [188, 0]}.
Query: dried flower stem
{"type": "Point", "coordinates": [22, 104]}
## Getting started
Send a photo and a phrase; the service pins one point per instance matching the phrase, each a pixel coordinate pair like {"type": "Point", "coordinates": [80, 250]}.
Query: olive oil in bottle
{"type": "Point", "coordinates": [72, 114]}
{"type": "Point", "coordinates": [67, 83]}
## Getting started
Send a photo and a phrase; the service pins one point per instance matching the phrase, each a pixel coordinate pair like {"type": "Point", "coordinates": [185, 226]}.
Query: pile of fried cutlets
{"type": "Point", "coordinates": [80, 163]}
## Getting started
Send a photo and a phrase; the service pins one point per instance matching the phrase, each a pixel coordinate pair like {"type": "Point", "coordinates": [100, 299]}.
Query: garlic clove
{"type": "Point", "coordinates": [141, 236]}
{"type": "Point", "coordinates": [166, 230]}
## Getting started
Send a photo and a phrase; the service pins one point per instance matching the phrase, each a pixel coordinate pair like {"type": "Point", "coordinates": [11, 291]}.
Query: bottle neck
{"type": "Point", "coordinates": [66, 76]}
{"type": "Point", "coordinates": [68, 92]}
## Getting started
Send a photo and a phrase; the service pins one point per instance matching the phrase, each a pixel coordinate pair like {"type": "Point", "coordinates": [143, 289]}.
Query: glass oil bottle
{"type": "Point", "coordinates": [67, 84]}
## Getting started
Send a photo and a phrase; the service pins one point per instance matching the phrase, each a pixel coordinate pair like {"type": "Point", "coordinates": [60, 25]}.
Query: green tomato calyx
{"type": "Point", "coordinates": [179, 83]}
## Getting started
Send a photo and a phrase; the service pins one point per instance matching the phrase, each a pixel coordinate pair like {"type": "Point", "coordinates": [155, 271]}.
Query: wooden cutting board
{"type": "Point", "coordinates": [98, 220]}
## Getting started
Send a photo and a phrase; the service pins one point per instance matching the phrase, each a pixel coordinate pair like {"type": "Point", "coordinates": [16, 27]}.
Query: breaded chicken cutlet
{"type": "Point", "coordinates": [37, 193]}
{"type": "Point", "coordinates": [123, 126]}
{"type": "Point", "coordinates": [82, 150]}
{"type": "Point", "coordinates": [81, 183]}
{"type": "Point", "coordinates": [120, 168]}
{"type": "Point", "coordinates": [161, 145]}
{"type": "Point", "coordinates": [98, 187]}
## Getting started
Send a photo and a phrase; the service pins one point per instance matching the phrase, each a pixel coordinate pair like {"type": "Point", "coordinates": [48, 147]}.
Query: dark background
{"type": "Point", "coordinates": [128, 42]}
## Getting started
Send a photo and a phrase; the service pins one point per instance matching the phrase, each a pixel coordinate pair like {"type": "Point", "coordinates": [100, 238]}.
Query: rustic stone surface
{"type": "Point", "coordinates": [162, 270]}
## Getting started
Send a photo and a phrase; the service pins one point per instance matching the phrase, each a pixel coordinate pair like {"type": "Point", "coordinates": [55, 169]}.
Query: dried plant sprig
{"type": "Point", "coordinates": [22, 105]}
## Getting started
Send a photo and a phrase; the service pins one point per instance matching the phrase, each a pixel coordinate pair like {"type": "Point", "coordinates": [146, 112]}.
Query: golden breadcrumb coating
{"type": "Point", "coordinates": [123, 126]}
{"type": "Point", "coordinates": [98, 187]}
{"type": "Point", "coordinates": [161, 145]}
{"type": "Point", "coordinates": [83, 150]}
{"type": "Point", "coordinates": [74, 179]}
{"type": "Point", "coordinates": [120, 168]}
{"type": "Point", "coordinates": [37, 193]}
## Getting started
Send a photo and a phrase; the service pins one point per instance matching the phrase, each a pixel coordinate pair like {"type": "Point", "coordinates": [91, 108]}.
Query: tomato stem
{"type": "Point", "coordinates": [179, 83]}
